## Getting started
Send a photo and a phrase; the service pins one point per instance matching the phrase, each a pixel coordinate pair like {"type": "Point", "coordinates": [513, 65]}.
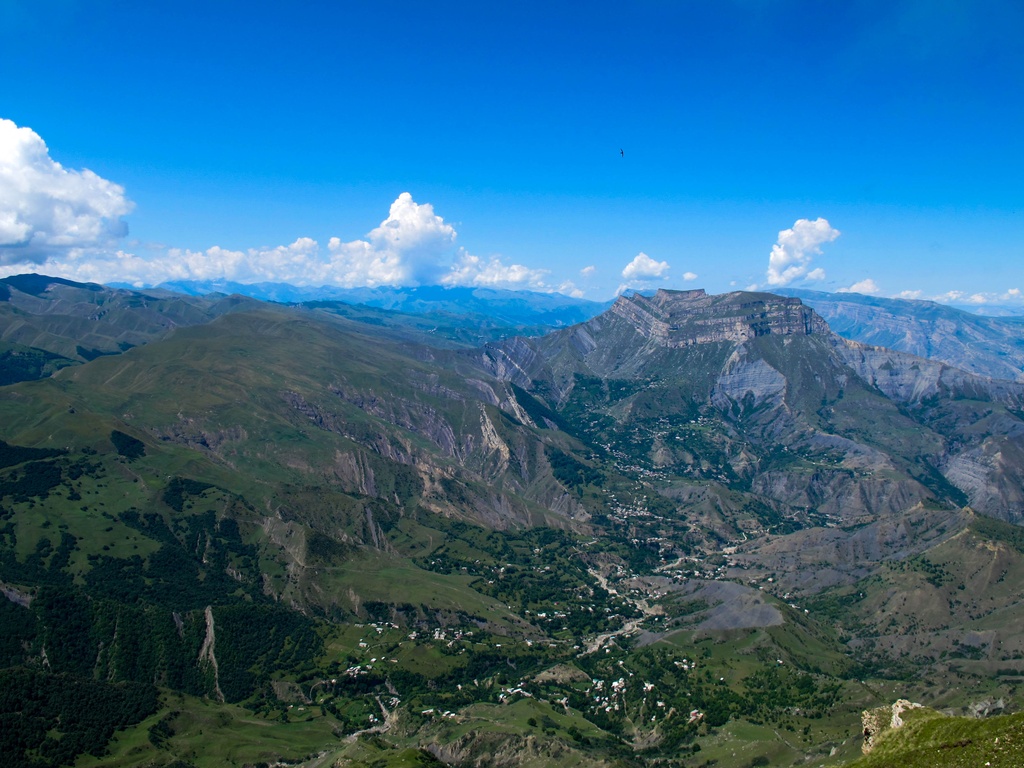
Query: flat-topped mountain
{"type": "Point", "coordinates": [684, 318]}
{"type": "Point", "coordinates": [783, 407]}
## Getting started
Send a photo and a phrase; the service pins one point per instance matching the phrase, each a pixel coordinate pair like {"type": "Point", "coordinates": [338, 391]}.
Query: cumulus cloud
{"type": "Point", "coordinates": [493, 273]}
{"type": "Point", "coordinates": [791, 256]}
{"type": "Point", "coordinates": [867, 286]}
{"type": "Point", "coordinates": [643, 267]}
{"type": "Point", "coordinates": [588, 271]}
{"type": "Point", "coordinates": [642, 272]}
{"type": "Point", "coordinates": [47, 210]}
{"type": "Point", "coordinates": [69, 224]}
{"type": "Point", "coordinates": [909, 295]}
{"type": "Point", "coordinates": [1011, 296]}
{"type": "Point", "coordinates": [412, 246]}
{"type": "Point", "coordinates": [297, 263]}
{"type": "Point", "coordinates": [689, 276]}
{"type": "Point", "coordinates": [569, 289]}
{"type": "Point", "coordinates": [285, 263]}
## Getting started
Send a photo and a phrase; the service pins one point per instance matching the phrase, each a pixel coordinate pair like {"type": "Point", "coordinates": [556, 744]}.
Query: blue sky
{"type": "Point", "coordinates": [257, 140]}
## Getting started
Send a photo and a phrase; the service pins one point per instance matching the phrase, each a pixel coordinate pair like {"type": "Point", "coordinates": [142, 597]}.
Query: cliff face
{"type": "Point", "coordinates": [685, 318]}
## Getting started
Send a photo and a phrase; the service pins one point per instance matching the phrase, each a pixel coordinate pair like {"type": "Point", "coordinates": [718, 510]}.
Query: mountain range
{"type": "Point", "coordinates": [687, 528]}
{"type": "Point", "coordinates": [990, 346]}
{"type": "Point", "coordinates": [523, 308]}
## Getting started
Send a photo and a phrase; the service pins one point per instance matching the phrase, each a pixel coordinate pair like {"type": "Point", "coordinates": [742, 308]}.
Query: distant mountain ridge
{"type": "Point", "coordinates": [48, 323]}
{"type": "Point", "coordinates": [988, 346]}
{"type": "Point", "coordinates": [509, 306]}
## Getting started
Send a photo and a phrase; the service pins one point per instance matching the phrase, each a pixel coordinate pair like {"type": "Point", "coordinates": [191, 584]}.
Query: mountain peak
{"type": "Point", "coordinates": [684, 318]}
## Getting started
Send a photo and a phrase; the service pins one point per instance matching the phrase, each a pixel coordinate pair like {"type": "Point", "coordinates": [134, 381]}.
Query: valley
{"type": "Point", "coordinates": [691, 530]}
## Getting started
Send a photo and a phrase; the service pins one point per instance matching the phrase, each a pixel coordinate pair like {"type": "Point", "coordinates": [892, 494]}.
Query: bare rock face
{"type": "Point", "coordinates": [991, 475]}
{"type": "Point", "coordinates": [685, 318]}
{"type": "Point", "coordinates": [742, 376]}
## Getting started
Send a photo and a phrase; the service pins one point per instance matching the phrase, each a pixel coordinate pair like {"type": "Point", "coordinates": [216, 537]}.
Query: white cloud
{"type": "Point", "coordinates": [412, 246]}
{"type": "Point", "coordinates": [816, 275]}
{"type": "Point", "coordinates": [1013, 295]}
{"type": "Point", "coordinates": [569, 289]}
{"type": "Point", "coordinates": [867, 286]}
{"type": "Point", "coordinates": [643, 267]}
{"type": "Point", "coordinates": [47, 210]}
{"type": "Point", "coordinates": [68, 223]}
{"type": "Point", "coordinates": [688, 276]}
{"type": "Point", "coordinates": [298, 263]}
{"type": "Point", "coordinates": [472, 270]}
{"type": "Point", "coordinates": [909, 295]}
{"type": "Point", "coordinates": [791, 255]}
{"type": "Point", "coordinates": [494, 273]}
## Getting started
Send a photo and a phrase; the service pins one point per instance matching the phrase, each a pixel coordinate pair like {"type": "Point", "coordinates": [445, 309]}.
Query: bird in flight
{"type": "Point", "coordinates": [622, 152]}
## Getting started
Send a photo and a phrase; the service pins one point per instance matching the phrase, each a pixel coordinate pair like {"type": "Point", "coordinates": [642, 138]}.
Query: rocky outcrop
{"type": "Point", "coordinates": [778, 376]}
{"type": "Point", "coordinates": [488, 749]}
{"type": "Point", "coordinates": [874, 722]}
{"type": "Point", "coordinates": [511, 360]}
{"type": "Point", "coordinates": [15, 595]}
